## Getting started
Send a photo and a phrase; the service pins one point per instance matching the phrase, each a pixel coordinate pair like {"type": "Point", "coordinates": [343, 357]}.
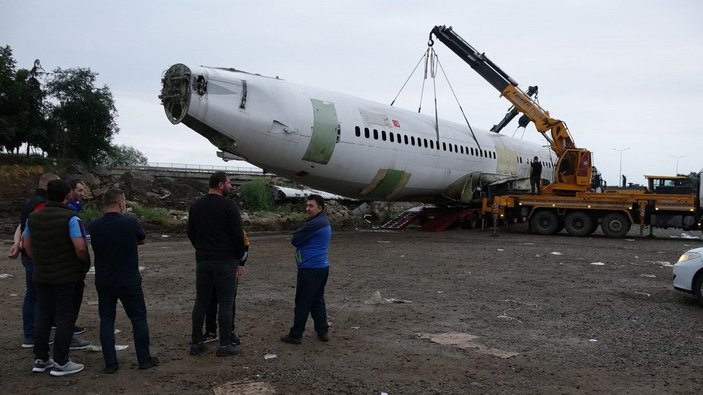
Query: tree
{"type": "Point", "coordinates": [81, 116]}
{"type": "Point", "coordinates": [21, 104]}
{"type": "Point", "coordinates": [122, 155]}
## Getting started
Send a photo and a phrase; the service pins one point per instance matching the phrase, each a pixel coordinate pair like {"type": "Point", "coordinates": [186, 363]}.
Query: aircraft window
{"type": "Point", "coordinates": [390, 134]}
{"type": "Point", "coordinates": [444, 146]}
{"type": "Point", "coordinates": [375, 134]}
{"type": "Point", "coordinates": [383, 135]}
{"type": "Point", "coordinates": [405, 137]}
{"type": "Point", "coordinates": [366, 132]}
{"type": "Point", "coordinates": [461, 148]}
{"type": "Point", "coordinates": [412, 140]}
{"type": "Point", "coordinates": [398, 137]}
{"type": "Point", "coordinates": [472, 150]}
{"type": "Point", "coordinates": [451, 147]}
{"type": "Point", "coordinates": [357, 131]}
{"type": "Point", "coordinates": [425, 141]}
{"type": "Point", "coordinates": [431, 144]}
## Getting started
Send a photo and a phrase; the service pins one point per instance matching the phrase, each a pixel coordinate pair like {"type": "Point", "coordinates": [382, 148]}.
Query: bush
{"type": "Point", "coordinates": [152, 215]}
{"type": "Point", "coordinates": [257, 195]}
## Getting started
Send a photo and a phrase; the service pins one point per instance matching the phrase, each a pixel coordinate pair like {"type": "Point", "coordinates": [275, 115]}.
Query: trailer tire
{"type": "Point", "coordinates": [545, 222]}
{"type": "Point", "coordinates": [615, 225]}
{"type": "Point", "coordinates": [579, 224]}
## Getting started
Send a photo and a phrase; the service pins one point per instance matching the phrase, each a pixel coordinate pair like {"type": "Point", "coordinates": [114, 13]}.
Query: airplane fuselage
{"type": "Point", "coordinates": [339, 143]}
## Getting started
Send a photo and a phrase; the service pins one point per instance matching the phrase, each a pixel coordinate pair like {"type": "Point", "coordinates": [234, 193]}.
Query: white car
{"type": "Point", "coordinates": [688, 273]}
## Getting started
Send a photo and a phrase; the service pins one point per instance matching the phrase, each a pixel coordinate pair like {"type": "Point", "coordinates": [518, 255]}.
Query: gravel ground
{"type": "Point", "coordinates": [411, 312]}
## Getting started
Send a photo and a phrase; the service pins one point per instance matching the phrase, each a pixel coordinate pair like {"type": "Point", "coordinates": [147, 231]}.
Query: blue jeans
{"type": "Point", "coordinates": [310, 299]}
{"type": "Point", "coordinates": [132, 299]}
{"type": "Point", "coordinates": [219, 275]}
{"type": "Point", "coordinates": [30, 299]}
{"type": "Point", "coordinates": [61, 302]}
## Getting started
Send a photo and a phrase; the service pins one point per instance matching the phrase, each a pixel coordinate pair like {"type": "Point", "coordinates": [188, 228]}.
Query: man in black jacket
{"type": "Point", "coordinates": [215, 230]}
{"type": "Point", "coordinates": [55, 242]}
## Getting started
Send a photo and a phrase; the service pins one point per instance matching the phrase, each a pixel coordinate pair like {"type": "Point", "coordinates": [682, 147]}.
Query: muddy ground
{"type": "Point", "coordinates": [521, 313]}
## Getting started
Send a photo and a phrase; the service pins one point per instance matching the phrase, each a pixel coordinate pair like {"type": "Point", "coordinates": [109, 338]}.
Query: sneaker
{"type": "Point", "coordinates": [324, 337]}
{"type": "Point", "coordinates": [69, 367]}
{"type": "Point", "coordinates": [291, 340]}
{"type": "Point", "coordinates": [111, 368]}
{"type": "Point", "coordinates": [234, 339]}
{"type": "Point", "coordinates": [197, 348]}
{"type": "Point", "coordinates": [78, 344]}
{"type": "Point", "coordinates": [41, 366]}
{"type": "Point", "coordinates": [28, 342]}
{"type": "Point", "coordinates": [149, 364]}
{"type": "Point", "coordinates": [210, 337]}
{"type": "Point", "coordinates": [77, 330]}
{"type": "Point", "coordinates": [228, 350]}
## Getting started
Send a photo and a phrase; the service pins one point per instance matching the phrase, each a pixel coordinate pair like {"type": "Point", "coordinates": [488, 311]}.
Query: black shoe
{"type": "Point", "coordinates": [234, 339]}
{"type": "Point", "coordinates": [324, 337]}
{"type": "Point", "coordinates": [77, 330]}
{"type": "Point", "coordinates": [111, 369]}
{"type": "Point", "coordinates": [210, 337]}
{"type": "Point", "coordinates": [197, 348]}
{"type": "Point", "coordinates": [228, 350]}
{"type": "Point", "coordinates": [149, 364]}
{"type": "Point", "coordinates": [291, 340]}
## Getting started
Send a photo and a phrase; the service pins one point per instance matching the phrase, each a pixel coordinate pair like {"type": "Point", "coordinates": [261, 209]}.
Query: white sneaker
{"type": "Point", "coordinates": [41, 366]}
{"type": "Point", "coordinates": [69, 367]}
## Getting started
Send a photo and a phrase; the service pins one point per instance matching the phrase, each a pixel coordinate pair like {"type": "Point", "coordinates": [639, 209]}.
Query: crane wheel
{"type": "Point", "coordinates": [545, 222]}
{"type": "Point", "coordinates": [579, 223]}
{"type": "Point", "coordinates": [615, 225]}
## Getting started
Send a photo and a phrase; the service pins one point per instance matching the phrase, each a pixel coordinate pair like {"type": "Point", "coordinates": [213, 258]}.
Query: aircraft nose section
{"type": "Point", "coordinates": [175, 92]}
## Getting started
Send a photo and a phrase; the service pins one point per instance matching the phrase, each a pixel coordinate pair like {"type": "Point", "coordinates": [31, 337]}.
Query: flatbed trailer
{"type": "Point", "coordinates": [613, 210]}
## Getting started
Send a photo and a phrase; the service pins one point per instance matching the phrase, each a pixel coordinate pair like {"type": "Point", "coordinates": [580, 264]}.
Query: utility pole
{"type": "Point", "coordinates": [677, 162]}
{"type": "Point", "coordinates": [621, 150]}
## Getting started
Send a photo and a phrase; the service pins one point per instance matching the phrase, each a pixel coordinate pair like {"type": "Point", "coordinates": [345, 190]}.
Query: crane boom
{"type": "Point", "coordinates": [573, 168]}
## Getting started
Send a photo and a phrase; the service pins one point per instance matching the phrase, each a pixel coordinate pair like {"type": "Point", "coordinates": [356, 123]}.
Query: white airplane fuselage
{"type": "Point", "coordinates": [339, 143]}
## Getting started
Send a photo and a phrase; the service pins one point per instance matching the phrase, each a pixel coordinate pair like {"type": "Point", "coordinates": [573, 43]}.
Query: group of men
{"type": "Point", "coordinates": [53, 244]}
{"type": "Point", "coordinates": [221, 250]}
{"type": "Point", "coordinates": [54, 249]}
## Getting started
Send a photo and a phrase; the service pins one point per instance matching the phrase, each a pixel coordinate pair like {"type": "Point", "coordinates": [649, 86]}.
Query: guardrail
{"type": "Point", "coordinates": [191, 168]}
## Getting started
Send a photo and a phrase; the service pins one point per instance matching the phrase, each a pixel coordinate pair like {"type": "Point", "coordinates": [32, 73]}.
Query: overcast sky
{"type": "Point", "coordinates": [621, 74]}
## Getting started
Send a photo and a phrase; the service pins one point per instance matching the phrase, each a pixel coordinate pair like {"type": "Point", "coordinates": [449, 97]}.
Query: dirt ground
{"type": "Point", "coordinates": [455, 312]}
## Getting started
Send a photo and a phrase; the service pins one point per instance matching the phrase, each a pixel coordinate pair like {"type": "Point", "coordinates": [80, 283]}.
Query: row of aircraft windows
{"type": "Point", "coordinates": [422, 142]}
{"type": "Point", "coordinates": [403, 139]}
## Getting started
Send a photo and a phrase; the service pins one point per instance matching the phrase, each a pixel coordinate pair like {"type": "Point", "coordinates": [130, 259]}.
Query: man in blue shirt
{"type": "Point", "coordinates": [54, 241]}
{"type": "Point", "coordinates": [312, 241]}
{"type": "Point", "coordinates": [114, 238]}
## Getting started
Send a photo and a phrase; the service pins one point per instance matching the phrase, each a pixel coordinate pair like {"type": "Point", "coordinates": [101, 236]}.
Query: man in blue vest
{"type": "Point", "coordinates": [54, 241]}
{"type": "Point", "coordinates": [312, 241]}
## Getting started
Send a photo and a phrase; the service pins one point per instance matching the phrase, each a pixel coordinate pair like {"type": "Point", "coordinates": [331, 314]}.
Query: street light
{"type": "Point", "coordinates": [621, 151]}
{"type": "Point", "coordinates": [677, 162]}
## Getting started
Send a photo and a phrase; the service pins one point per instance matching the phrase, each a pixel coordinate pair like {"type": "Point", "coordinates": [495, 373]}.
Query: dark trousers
{"type": "Point", "coordinates": [310, 299]}
{"type": "Point", "coordinates": [30, 299]}
{"type": "Point", "coordinates": [211, 313]}
{"type": "Point", "coordinates": [220, 276]}
{"type": "Point", "coordinates": [132, 299]}
{"type": "Point", "coordinates": [535, 184]}
{"type": "Point", "coordinates": [62, 302]}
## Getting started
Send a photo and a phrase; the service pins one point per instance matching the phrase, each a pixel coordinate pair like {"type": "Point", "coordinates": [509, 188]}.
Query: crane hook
{"type": "Point", "coordinates": [430, 42]}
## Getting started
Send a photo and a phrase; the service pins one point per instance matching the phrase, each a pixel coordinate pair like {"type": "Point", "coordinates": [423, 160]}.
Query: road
{"type": "Point", "coordinates": [445, 313]}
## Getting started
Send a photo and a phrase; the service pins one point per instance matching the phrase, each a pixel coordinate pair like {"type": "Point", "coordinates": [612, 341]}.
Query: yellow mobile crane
{"type": "Point", "coordinates": [569, 202]}
{"type": "Point", "coordinates": [573, 167]}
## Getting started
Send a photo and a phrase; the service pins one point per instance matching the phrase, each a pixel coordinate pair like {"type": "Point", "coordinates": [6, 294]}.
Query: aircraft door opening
{"type": "Point", "coordinates": [324, 133]}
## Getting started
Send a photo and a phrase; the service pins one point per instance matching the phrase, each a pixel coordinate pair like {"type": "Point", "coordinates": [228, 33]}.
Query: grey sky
{"type": "Point", "coordinates": [619, 73]}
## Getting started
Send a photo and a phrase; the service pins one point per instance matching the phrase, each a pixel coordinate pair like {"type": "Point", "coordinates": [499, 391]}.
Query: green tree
{"type": "Point", "coordinates": [122, 155]}
{"type": "Point", "coordinates": [81, 116]}
{"type": "Point", "coordinates": [21, 104]}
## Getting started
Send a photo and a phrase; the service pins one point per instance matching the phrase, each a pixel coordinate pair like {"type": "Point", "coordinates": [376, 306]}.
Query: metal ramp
{"type": "Point", "coordinates": [441, 219]}
{"type": "Point", "coordinates": [403, 220]}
